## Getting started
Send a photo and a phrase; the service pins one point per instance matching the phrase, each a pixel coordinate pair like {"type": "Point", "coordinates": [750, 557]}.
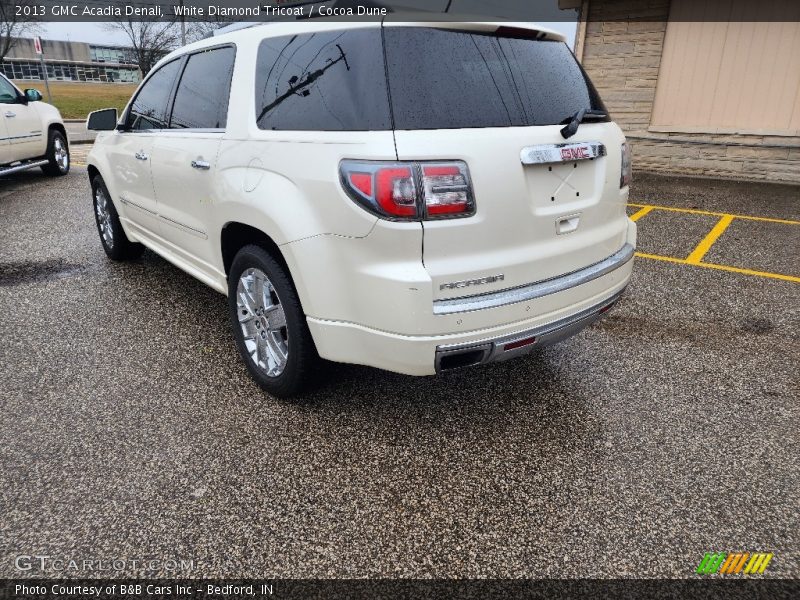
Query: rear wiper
{"type": "Point", "coordinates": [578, 118]}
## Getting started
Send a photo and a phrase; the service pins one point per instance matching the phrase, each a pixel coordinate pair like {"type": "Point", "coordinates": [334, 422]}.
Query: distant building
{"type": "Point", "coordinates": [699, 87]}
{"type": "Point", "coordinates": [71, 61]}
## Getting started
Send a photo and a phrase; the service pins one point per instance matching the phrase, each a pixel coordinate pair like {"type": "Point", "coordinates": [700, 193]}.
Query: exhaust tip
{"type": "Point", "coordinates": [457, 360]}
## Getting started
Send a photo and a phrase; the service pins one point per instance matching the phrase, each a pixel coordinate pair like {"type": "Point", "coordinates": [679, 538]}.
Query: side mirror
{"type": "Point", "coordinates": [102, 120]}
{"type": "Point", "coordinates": [32, 95]}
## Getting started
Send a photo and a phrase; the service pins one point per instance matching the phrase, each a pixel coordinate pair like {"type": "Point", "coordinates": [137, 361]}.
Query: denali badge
{"type": "Point", "coordinates": [555, 153]}
{"type": "Point", "coordinates": [468, 282]}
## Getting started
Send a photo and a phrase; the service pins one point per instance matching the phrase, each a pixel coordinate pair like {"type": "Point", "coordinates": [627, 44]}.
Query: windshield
{"type": "Point", "coordinates": [444, 79]}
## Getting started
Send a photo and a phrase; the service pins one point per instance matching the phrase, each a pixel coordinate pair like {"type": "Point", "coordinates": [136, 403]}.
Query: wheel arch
{"type": "Point", "coordinates": [56, 126]}
{"type": "Point", "coordinates": [93, 172]}
{"type": "Point", "coordinates": [235, 235]}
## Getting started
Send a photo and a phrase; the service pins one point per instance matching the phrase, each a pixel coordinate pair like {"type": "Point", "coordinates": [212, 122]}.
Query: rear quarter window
{"type": "Point", "coordinates": [325, 81]}
{"type": "Point", "coordinates": [444, 79]}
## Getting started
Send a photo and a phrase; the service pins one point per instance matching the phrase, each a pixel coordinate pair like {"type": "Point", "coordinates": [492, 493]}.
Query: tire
{"type": "Point", "coordinates": [112, 236]}
{"type": "Point", "coordinates": [57, 154]}
{"type": "Point", "coordinates": [277, 348]}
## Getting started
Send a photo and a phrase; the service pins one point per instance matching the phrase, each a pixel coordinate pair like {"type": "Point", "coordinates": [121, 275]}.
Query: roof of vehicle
{"type": "Point", "coordinates": [261, 31]}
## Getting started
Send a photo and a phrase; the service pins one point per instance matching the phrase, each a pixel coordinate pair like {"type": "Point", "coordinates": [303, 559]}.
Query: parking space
{"type": "Point", "coordinates": [747, 244]}
{"type": "Point", "coordinates": [130, 428]}
{"type": "Point", "coordinates": [669, 233]}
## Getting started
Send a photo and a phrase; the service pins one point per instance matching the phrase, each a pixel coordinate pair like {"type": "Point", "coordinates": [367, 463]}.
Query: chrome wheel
{"type": "Point", "coordinates": [103, 213]}
{"type": "Point", "coordinates": [263, 322]}
{"type": "Point", "coordinates": [61, 154]}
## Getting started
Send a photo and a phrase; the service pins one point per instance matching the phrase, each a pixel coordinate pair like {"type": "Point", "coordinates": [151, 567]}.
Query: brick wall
{"type": "Point", "coordinates": [748, 157]}
{"type": "Point", "coordinates": [621, 52]}
{"type": "Point", "coordinates": [622, 57]}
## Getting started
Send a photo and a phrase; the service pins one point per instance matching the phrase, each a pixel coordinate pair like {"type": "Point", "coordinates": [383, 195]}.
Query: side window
{"type": "Point", "coordinates": [325, 81]}
{"type": "Point", "coordinates": [8, 95]}
{"type": "Point", "coordinates": [202, 97]}
{"type": "Point", "coordinates": [149, 109]}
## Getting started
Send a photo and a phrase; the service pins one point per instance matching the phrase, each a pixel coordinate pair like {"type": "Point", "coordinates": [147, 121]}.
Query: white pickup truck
{"type": "Point", "coordinates": [32, 133]}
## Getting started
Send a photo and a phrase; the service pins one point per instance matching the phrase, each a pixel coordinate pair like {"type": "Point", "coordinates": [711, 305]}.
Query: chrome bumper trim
{"type": "Point", "coordinates": [534, 290]}
{"type": "Point", "coordinates": [493, 350]}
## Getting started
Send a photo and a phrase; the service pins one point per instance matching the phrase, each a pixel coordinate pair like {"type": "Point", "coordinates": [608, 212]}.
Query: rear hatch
{"type": "Point", "coordinates": [496, 99]}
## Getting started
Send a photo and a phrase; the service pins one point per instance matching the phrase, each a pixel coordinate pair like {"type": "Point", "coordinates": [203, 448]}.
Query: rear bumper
{"type": "Point", "coordinates": [454, 356]}
{"type": "Point", "coordinates": [551, 318]}
{"type": "Point", "coordinates": [535, 290]}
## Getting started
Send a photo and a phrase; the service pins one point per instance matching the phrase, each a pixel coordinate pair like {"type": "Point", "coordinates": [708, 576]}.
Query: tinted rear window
{"type": "Point", "coordinates": [326, 81]}
{"type": "Point", "coordinates": [149, 109]}
{"type": "Point", "coordinates": [202, 97]}
{"type": "Point", "coordinates": [442, 79]}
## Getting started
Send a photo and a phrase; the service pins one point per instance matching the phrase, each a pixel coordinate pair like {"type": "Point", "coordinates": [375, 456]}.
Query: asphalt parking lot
{"type": "Point", "coordinates": [130, 428]}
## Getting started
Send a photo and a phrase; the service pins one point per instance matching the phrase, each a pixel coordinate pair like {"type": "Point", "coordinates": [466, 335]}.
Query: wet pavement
{"type": "Point", "coordinates": [130, 428]}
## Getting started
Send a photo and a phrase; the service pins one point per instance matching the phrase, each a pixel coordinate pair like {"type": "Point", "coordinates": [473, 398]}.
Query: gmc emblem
{"type": "Point", "coordinates": [573, 153]}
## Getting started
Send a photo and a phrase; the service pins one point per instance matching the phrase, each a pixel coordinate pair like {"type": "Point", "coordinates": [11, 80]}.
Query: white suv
{"type": "Point", "coordinates": [408, 196]}
{"type": "Point", "coordinates": [32, 133]}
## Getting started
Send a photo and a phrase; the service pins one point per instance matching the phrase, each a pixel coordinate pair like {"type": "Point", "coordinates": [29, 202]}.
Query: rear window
{"type": "Point", "coordinates": [442, 79]}
{"type": "Point", "coordinates": [149, 109]}
{"type": "Point", "coordinates": [325, 81]}
{"type": "Point", "coordinates": [201, 101]}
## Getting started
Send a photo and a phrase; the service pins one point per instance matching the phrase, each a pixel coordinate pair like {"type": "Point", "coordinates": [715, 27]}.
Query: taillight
{"type": "Point", "coordinates": [627, 170]}
{"type": "Point", "coordinates": [446, 189]}
{"type": "Point", "coordinates": [409, 190]}
{"type": "Point", "coordinates": [396, 192]}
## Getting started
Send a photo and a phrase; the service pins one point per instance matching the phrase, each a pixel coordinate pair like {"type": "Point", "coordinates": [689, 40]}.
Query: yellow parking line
{"type": "Point", "coordinates": [703, 247]}
{"type": "Point", "coordinates": [640, 213]}
{"type": "Point", "coordinates": [672, 259]}
{"type": "Point", "coordinates": [681, 261]}
{"type": "Point", "coordinates": [748, 272]}
{"type": "Point", "coordinates": [695, 211]}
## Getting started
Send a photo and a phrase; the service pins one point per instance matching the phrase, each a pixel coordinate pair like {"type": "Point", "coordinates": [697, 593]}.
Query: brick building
{"type": "Point", "coordinates": [700, 87]}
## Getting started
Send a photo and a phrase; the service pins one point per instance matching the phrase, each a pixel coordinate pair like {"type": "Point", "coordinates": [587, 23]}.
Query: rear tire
{"type": "Point", "coordinates": [57, 155]}
{"type": "Point", "coordinates": [268, 323]}
{"type": "Point", "coordinates": [112, 236]}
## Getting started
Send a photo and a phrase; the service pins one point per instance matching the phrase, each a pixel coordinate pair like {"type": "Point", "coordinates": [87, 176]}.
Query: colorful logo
{"type": "Point", "coordinates": [734, 562]}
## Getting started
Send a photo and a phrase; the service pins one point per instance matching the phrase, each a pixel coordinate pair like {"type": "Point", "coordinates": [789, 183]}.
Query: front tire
{"type": "Point", "coordinates": [112, 236]}
{"type": "Point", "coordinates": [268, 323]}
{"type": "Point", "coordinates": [57, 154]}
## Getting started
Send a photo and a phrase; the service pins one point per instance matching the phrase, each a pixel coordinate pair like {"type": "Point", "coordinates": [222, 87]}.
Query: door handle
{"type": "Point", "coordinates": [10, 114]}
{"type": "Point", "coordinates": [141, 156]}
{"type": "Point", "coordinates": [201, 164]}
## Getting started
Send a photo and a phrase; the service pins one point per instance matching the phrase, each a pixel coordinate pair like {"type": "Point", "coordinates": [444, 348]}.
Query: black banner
{"type": "Point", "coordinates": [336, 589]}
{"type": "Point", "coordinates": [229, 11]}
{"type": "Point", "coordinates": [278, 10]}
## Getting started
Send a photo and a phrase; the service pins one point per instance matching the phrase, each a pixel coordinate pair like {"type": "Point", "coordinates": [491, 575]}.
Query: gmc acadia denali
{"type": "Point", "coordinates": [415, 197]}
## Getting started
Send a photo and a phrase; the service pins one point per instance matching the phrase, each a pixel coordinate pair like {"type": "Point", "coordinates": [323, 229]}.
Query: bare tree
{"type": "Point", "coordinates": [199, 30]}
{"type": "Point", "coordinates": [149, 40]}
{"type": "Point", "coordinates": [14, 23]}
